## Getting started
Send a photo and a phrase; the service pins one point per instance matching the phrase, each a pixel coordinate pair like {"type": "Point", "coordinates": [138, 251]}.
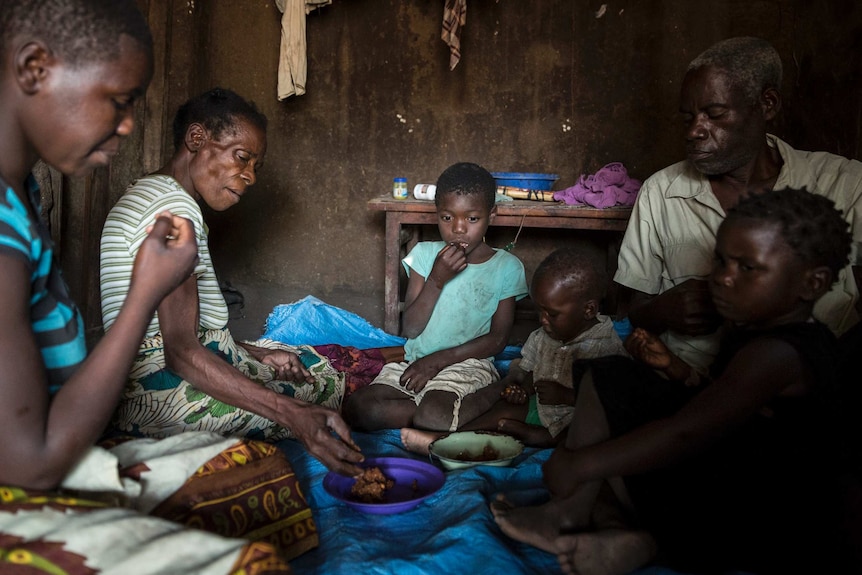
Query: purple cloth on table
{"type": "Point", "coordinates": [610, 186]}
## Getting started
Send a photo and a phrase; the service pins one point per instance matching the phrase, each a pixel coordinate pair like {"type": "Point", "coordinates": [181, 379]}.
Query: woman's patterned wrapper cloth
{"type": "Point", "coordinates": [159, 403]}
{"type": "Point", "coordinates": [248, 493]}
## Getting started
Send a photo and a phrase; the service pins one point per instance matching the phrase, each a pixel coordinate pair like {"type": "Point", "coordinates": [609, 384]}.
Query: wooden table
{"type": "Point", "coordinates": [526, 213]}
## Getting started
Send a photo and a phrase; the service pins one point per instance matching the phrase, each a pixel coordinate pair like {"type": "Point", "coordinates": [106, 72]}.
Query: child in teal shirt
{"type": "Point", "coordinates": [458, 314]}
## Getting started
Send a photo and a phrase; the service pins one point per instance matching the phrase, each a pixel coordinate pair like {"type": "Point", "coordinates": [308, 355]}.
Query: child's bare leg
{"type": "Point", "coordinates": [482, 405]}
{"type": "Point", "coordinates": [436, 411]}
{"type": "Point", "coordinates": [379, 407]}
{"type": "Point", "coordinates": [589, 422]}
{"type": "Point", "coordinates": [532, 435]}
{"type": "Point", "coordinates": [490, 420]}
{"type": "Point", "coordinates": [418, 440]}
{"type": "Point", "coordinates": [589, 426]}
{"type": "Point", "coordinates": [605, 552]}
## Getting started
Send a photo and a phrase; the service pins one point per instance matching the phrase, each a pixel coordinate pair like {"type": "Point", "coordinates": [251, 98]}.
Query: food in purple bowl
{"type": "Point", "coordinates": [413, 481]}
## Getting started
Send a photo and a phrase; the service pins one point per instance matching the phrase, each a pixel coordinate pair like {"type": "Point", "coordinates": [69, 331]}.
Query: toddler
{"type": "Point", "coordinates": [567, 289]}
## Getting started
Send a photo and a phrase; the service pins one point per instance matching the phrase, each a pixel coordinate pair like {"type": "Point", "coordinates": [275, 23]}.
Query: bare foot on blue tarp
{"type": "Point", "coordinates": [607, 552]}
{"type": "Point", "coordinates": [418, 440]}
{"type": "Point", "coordinates": [536, 525]}
{"type": "Point", "coordinates": [604, 552]}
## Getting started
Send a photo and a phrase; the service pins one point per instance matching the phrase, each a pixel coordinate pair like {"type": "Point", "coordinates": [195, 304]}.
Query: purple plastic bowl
{"type": "Point", "coordinates": [402, 496]}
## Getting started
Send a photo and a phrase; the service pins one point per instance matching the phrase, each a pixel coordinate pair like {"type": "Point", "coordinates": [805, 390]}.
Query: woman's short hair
{"type": "Point", "coordinates": [218, 110]}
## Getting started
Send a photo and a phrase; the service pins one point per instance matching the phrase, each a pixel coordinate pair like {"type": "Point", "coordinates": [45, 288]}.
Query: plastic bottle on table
{"type": "Point", "coordinates": [399, 188]}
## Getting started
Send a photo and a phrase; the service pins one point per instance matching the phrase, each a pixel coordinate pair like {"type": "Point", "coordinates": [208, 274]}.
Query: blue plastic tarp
{"type": "Point", "coordinates": [452, 531]}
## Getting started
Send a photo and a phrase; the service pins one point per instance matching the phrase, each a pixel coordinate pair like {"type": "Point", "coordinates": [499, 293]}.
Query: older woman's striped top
{"type": "Point", "coordinates": [126, 228]}
{"type": "Point", "coordinates": [56, 322]}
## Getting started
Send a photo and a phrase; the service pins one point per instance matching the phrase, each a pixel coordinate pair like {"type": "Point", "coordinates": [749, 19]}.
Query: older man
{"type": "Point", "coordinates": [729, 95]}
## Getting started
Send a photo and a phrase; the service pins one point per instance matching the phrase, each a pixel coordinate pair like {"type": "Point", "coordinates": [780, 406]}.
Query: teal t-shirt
{"type": "Point", "coordinates": [57, 325]}
{"type": "Point", "coordinates": [467, 303]}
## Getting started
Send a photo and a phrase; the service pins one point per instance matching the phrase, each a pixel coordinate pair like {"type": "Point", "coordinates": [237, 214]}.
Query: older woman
{"type": "Point", "coordinates": [189, 372]}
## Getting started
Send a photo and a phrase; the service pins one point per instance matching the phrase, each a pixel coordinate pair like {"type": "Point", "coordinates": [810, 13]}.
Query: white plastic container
{"type": "Point", "coordinates": [424, 191]}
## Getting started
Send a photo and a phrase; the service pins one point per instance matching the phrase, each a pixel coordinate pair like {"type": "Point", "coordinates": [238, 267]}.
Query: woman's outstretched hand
{"type": "Point", "coordinates": [326, 436]}
{"type": "Point", "coordinates": [167, 256]}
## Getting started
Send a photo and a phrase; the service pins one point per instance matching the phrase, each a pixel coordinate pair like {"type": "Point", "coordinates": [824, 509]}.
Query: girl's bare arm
{"type": "Point", "coordinates": [45, 436]}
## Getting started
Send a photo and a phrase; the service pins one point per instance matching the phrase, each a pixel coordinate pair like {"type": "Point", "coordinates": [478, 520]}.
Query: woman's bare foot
{"type": "Point", "coordinates": [531, 435]}
{"type": "Point", "coordinates": [537, 525]}
{"type": "Point", "coordinates": [608, 552]}
{"type": "Point", "coordinates": [418, 440]}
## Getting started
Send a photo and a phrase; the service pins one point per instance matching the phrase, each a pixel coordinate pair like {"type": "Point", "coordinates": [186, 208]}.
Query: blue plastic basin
{"type": "Point", "coordinates": [525, 181]}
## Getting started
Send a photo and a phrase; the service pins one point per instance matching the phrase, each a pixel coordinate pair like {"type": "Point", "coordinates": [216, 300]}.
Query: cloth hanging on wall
{"type": "Point", "coordinates": [454, 18]}
{"type": "Point", "coordinates": [292, 63]}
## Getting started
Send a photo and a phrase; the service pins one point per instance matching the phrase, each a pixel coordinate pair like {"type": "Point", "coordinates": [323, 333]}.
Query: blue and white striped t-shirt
{"type": "Point", "coordinates": [56, 322]}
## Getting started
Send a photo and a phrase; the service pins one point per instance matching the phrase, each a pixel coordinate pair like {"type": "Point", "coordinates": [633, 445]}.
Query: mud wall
{"type": "Point", "coordinates": [542, 86]}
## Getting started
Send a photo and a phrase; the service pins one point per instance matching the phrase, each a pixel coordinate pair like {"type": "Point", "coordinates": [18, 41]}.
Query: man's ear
{"type": "Point", "coordinates": [770, 103]}
{"type": "Point", "coordinates": [33, 62]}
{"type": "Point", "coordinates": [591, 309]}
{"type": "Point", "coordinates": [196, 137]}
{"type": "Point", "coordinates": [817, 282]}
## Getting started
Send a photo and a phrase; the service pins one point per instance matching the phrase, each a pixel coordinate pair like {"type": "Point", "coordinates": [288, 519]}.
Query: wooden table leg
{"type": "Point", "coordinates": [391, 311]}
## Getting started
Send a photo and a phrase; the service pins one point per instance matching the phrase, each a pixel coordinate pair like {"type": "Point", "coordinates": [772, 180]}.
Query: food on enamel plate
{"type": "Point", "coordinates": [488, 454]}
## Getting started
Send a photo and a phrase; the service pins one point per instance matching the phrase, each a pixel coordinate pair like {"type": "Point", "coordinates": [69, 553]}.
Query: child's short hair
{"type": "Point", "coordinates": [218, 110]}
{"type": "Point", "coordinates": [810, 224]}
{"type": "Point", "coordinates": [77, 30]}
{"type": "Point", "coordinates": [575, 269]}
{"type": "Point", "coordinates": [466, 179]}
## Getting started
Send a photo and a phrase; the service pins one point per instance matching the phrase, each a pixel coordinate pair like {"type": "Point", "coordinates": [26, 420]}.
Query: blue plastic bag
{"type": "Point", "coordinates": [310, 321]}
